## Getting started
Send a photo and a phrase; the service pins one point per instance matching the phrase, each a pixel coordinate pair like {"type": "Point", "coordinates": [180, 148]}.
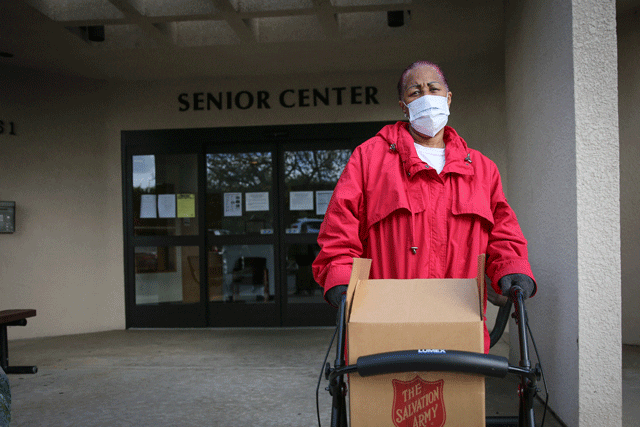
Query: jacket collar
{"type": "Point", "coordinates": [458, 157]}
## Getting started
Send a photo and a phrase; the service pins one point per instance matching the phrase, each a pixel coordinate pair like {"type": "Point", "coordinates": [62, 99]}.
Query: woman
{"type": "Point", "coordinates": [421, 204]}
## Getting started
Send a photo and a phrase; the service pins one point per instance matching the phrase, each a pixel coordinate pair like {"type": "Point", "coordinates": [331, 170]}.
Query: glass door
{"type": "Point", "coordinates": [310, 173]}
{"type": "Point", "coordinates": [164, 239]}
{"type": "Point", "coordinates": [241, 212]}
{"type": "Point", "coordinates": [264, 207]}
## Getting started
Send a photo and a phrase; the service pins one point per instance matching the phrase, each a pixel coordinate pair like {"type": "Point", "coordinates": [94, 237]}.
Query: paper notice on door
{"type": "Point", "coordinates": [232, 204]}
{"type": "Point", "coordinates": [301, 200]}
{"type": "Point", "coordinates": [322, 201]}
{"type": "Point", "coordinates": [148, 206]}
{"type": "Point", "coordinates": [186, 205]}
{"type": "Point", "coordinates": [166, 205]}
{"type": "Point", "coordinates": [255, 202]}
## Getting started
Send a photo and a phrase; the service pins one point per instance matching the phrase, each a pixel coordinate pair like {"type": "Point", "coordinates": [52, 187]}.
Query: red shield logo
{"type": "Point", "coordinates": [418, 403]}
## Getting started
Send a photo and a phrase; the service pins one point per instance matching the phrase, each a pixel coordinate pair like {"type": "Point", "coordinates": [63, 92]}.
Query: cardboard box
{"type": "Point", "coordinates": [430, 314]}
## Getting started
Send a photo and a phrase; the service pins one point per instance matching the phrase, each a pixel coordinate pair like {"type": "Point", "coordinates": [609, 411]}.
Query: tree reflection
{"type": "Point", "coordinates": [322, 167]}
{"type": "Point", "coordinates": [239, 172]}
{"type": "Point", "coordinates": [253, 171]}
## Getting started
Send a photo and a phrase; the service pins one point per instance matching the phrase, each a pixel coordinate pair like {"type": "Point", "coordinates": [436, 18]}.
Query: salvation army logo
{"type": "Point", "coordinates": [418, 403]}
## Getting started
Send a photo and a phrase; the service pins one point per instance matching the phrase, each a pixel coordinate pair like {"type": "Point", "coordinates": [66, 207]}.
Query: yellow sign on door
{"type": "Point", "coordinates": [186, 205]}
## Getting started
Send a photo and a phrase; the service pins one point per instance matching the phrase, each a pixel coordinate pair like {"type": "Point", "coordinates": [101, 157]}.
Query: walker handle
{"type": "Point", "coordinates": [433, 360]}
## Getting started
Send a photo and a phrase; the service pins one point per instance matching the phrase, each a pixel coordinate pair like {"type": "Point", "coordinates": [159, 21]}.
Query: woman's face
{"type": "Point", "coordinates": [423, 81]}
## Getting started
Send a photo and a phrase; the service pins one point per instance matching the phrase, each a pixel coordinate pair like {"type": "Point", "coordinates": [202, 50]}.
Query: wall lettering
{"type": "Point", "coordinates": [8, 128]}
{"type": "Point", "coordinates": [288, 98]}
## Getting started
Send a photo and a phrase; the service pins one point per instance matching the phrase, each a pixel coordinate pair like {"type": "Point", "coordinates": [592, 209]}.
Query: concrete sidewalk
{"type": "Point", "coordinates": [194, 377]}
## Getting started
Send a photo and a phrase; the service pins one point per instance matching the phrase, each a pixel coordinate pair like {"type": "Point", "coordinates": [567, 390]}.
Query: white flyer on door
{"type": "Point", "coordinates": [166, 205]}
{"type": "Point", "coordinates": [256, 202]}
{"type": "Point", "coordinates": [232, 204]}
{"type": "Point", "coordinates": [301, 201]}
{"type": "Point", "coordinates": [322, 201]}
{"type": "Point", "coordinates": [148, 206]}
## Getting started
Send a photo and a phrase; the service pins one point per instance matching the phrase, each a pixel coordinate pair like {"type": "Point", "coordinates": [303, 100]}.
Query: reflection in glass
{"type": "Point", "coordinates": [301, 287]}
{"type": "Point", "coordinates": [144, 172]}
{"type": "Point", "coordinates": [310, 177]}
{"type": "Point", "coordinates": [166, 274]}
{"type": "Point", "coordinates": [239, 193]}
{"type": "Point", "coordinates": [304, 168]}
{"type": "Point", "coordinates": [241, 273]}
{"type": "Point", "coordinates": [165, 189]}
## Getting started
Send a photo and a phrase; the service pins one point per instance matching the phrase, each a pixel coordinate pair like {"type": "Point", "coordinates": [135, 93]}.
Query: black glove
{"type": "Point", "coordinates": [334, 295]}
{"type": "Point", "coordinates": [525, 283]}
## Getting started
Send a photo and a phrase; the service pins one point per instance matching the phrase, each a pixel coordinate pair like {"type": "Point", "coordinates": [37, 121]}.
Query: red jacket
{"type": "Point", "coordinates": [393, 208]}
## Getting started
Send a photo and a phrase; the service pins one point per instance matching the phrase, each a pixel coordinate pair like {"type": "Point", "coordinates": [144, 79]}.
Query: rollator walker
{"type": "Point", "coordinates": [450, 361]}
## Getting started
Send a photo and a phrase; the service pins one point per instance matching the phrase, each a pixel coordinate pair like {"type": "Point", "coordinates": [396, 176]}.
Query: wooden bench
{"type": "Point", "coordinates": [13, 318]}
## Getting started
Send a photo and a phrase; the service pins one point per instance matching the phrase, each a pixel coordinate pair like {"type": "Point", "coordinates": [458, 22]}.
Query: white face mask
{"type": "Point", "coordinates": [428, 114]}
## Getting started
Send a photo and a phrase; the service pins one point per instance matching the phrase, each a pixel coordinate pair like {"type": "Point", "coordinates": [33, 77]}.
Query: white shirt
{"type": "Point", "coordinates": [434, 157]}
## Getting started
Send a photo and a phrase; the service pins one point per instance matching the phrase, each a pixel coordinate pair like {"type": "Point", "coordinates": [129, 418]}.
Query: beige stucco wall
{"type": "Point", "coordinates": [568, 133]}
{"type": "Point", "coordinates": [629, 100]}
{"type": "Point", "coordinates": [540, 125]}
{"type": "Point", "coordinates": [65, 259]}
{"type": "Point", "coordinates": [598, 185]}
{"type": "Point", "coordinates": [63, 170]}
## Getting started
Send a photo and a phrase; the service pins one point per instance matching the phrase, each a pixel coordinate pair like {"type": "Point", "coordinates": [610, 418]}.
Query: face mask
{"type": "Point", "coordinates": [428, 114]}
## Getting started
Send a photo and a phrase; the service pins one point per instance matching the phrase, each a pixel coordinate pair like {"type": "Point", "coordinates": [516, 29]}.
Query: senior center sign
{"type": "Point", "coordinates": [287, 98]}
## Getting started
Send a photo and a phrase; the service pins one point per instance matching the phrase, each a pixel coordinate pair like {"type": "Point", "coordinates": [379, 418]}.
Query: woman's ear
{"type": "Point", "coordinates": [403, 107]}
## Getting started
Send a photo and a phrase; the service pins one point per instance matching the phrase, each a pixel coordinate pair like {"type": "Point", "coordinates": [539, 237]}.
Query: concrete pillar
{"type": "Point", "coordinates": [563, 174]}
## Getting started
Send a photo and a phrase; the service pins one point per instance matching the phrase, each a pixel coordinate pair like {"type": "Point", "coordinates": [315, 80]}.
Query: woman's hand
{"type": "Point", "coordinates": [523, 281]}
{"type": "Point", "coordinates": [334, 295]}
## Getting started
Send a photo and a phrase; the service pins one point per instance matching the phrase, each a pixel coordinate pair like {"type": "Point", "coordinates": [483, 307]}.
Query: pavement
{"type": "Point", "coordinates": [188, 377]}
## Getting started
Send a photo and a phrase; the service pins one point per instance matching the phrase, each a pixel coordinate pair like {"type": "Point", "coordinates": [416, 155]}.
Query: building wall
{"type": "Point", "coordinates": [598, 185]}
{"type": "Point", "coordinates": [569, 186]}
{"type": "Point", "coordinates": [55, 169]}
{"type": "Point", "coordinates": [629, 99]}
{"type": "Point", "coordinates": [63, 170]}
{"type": "Point", "coordinates": [541, 126]}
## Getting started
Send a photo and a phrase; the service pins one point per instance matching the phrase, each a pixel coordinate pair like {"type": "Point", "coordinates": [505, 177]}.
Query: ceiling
{"type": "Point", "coordinates": [167, 39]}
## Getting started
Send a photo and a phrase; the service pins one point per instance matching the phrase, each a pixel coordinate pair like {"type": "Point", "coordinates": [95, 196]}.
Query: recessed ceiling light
{"type": "Point", "coordinates": [395, 18]}
{"type": "Point", "coordinates": [6, 54]}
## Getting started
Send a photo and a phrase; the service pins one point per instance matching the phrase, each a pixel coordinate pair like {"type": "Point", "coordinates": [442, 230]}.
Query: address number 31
{"type": "Point", "coordinates": [7, 127]}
